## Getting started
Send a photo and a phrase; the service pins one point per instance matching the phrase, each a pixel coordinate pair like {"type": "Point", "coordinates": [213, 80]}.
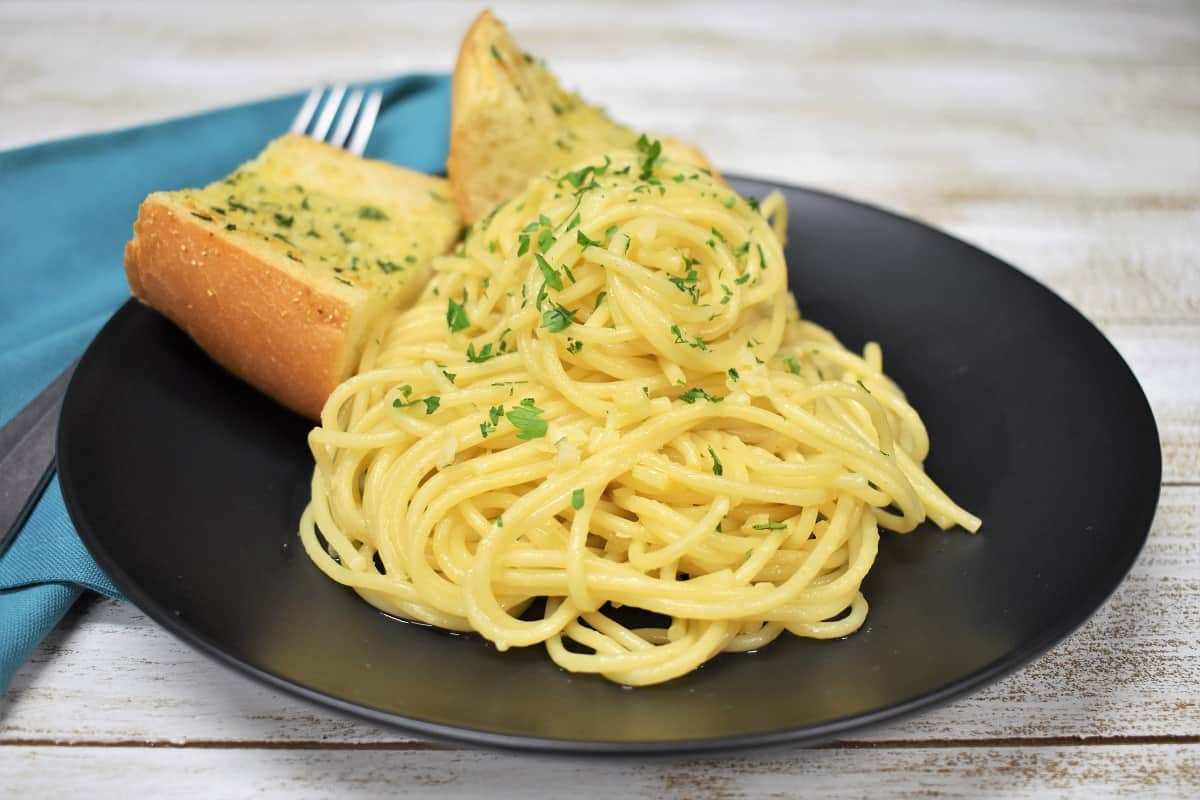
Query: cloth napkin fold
{"type": "Point", "coordinates": [68, 208]}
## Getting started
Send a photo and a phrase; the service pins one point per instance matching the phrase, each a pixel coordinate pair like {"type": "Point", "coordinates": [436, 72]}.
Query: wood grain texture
{"type": "Point", "coordinates": [1064, 139]}
{"type": "Point", "coordinates": [1164, 771]}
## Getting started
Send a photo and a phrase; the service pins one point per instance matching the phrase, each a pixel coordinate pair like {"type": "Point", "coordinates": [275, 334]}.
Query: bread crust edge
{"type": "Point", "coordinates": [281, 334]}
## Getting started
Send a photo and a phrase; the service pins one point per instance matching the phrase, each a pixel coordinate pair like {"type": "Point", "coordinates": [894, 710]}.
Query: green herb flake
{"type": "Point", "coordinates": [583, 239]}
{"type": "Point", "coordinates": [733, 374]}
{"type": "Point", "coordinates": [371, 213]}
{"type": "Point", "coordinates": [527, 419]}
{"type": "Point", "coordinates": [742, 279]}
{"type": "Point", "coordinates": [456, 315]}
{"type": "Point", "coordinates": [650, 152]}
{"type": "Point", "coordinates": [553, 277]}
{"type": "Point", "coordinates": [771, 526]}
{"type": "Point", "coordinates": [741, 249]}
{"type": "Point", "coordinates": [729, 201]}
{"type": "Point", "coordinates": [717, 234]}
{"type": "Point", "coordinates": [284, 221]}
{"type": "Point", "coordinates": [388, 267]}
{"type": "Point", "coordinates": [696, 393]}
{"type": "Point", "coordinates": [718, 468]}
{"type": "Point", "coordinates": [450, 376]}
{"type": "Point", "coordinates": [431, 404]}
{"type": "Point", "coordinates": [577, 499]}
{"type": "Point", "coordinates": [600, 299]}
{"type": "Point", "coordinates": [792, 364]}
{"type": "Point", "coordinates": [557, 318]}
{"type": "Point", "coordinates": [496, 53]}
{"type": "Point", "coordinates": [696, 343]}
{"type": "Point", "coordinates": [610, 232]}
{"type": "Point", "coordinates": [480, 356]}
{"type": "Point", "coordinates": [762, 260]}
{"type": "Point", "coordinates": [230, 227]}
{"type": "Point", "coordinates": [574, 223]}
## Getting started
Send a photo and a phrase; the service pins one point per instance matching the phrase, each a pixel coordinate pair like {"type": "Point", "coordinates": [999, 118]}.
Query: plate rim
{"type": "Point", "coordinates": [808, 735]}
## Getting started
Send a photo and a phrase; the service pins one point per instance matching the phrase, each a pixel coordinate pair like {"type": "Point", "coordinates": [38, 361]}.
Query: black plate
{"type": "Point", "coordinates": [186, 486]}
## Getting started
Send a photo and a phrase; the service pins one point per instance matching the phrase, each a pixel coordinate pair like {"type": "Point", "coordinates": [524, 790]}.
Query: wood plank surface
{"type": "Point", "coordinates": [1062, 137]}
{"type": "Point", "coordinates": [1114, 771]}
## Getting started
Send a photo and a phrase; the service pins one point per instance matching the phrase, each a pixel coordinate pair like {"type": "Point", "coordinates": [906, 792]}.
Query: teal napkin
{"type": "Point", "coordinates": [68, 207]}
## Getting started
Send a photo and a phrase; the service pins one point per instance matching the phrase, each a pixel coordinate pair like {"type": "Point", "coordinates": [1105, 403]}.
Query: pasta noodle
{"type": "Point", "coordinates": [605, 429]}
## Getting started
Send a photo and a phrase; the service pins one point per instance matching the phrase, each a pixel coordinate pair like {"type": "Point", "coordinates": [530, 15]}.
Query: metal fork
{"type": "Point", "coordinates": [355, 118]}
{"type": "Point", "coordinates": [27, 440]}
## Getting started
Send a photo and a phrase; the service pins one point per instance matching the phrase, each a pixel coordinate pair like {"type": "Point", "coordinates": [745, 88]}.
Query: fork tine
{"type": "Point", "coordinates": [300, 123]}
{"type": "Point", "coordinates": [328, 112]}
{"type": "Point", "coordinates": [346, 119]}
{"type": "Point", "coordinates": [366, 123]}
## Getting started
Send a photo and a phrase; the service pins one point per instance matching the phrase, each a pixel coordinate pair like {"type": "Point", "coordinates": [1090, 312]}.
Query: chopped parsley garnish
{"type": "Point", "coordinates": [546, 239]}
{"type": "Point", "coordinates": [483, 355]}
{"type": "Point", "coordinates": [792, 364]}
{"type": "Point", "coordinates": [577, 499]}
{"type": "Point", "coordinates": [610, 232]}
{"type": "Point", "coordinates": [450, 376]}
{"type": "Point", "coordinates": [717, 234]}
{"type": "Point", "coordinates": [284, 221]}
{"type": "Point", "coordinates": [696, 393]}
{"type": "Point", "coordinates": [688, 284]}
{"type": "Point", "coordinates": [729, 201]}
{"type": "Point", "coordinates": [230, 227]}
{"type": "Point", "coordinates": [553, 277]}
{"type": "Point", "coordinates": [762, 260]}
{"type": "Point", "coordinates": [574, 345]}
{"type": "Point", "coordinates": [496, 53]}
{"type": "Point", "coordinates": [600, 299]}
{"type": "Point", "coordinates": [406, 391]}
{"type": "Point", "coordinates": [741, 249]}
{"type": "Point", "coordinates": [372, 213]}
{"type": "Point", "coordinates": [204, 217]}
{"type": "Point", "coordinates": [580, 175]}
{"type": "Point", "coordinates": [742, 279]}
{"type": "Point", "coordinates": [865, 389]}
{"type": "Point", "coordinates": [557, 318]}
{"type": "Point", "coordinates": [389, 267]}
{"type": "Point", "coordinates": [236, 206]}
{"type": "Point", "coordinates": [574, 223]}
{"type": "Point", "coordinates": [733, 374]}
{"type": "Point", "coordinates": [728, 294]}
{"type": "Point", "coordinates": [695, 342]}
{"type": "Point", "coordinates": [771, 526]}
{"type": "Point", "coordinates": [456, 315]}
{"type": "Point", "coordinates": [750, 201]}
{"type": "Point", "coordinates": [718, 468]}
{"type": "Point", "coordinates": [583, 239]}
{"type": "Point", "coordinates": [431, 404]}
{"type": "Point", "coordinates": [650, 153]}
{"type": "Point", "coordinates": [527, 419]}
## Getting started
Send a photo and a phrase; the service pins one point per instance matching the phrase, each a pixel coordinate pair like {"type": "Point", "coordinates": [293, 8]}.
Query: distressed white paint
{"type": "Point", "coordinates": [1064, 140]}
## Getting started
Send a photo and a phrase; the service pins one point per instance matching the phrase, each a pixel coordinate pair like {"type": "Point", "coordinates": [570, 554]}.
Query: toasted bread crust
{"type": "Point", "coordinates": [501, 136]}
{"type": "Point", "coordinates": [278, 333]}
{"type": "Point", "coordinates": [467, 206]}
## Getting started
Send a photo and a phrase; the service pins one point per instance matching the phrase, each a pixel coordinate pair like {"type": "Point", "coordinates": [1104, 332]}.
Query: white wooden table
{"type": "Point", "coordinates": [1063, 138]}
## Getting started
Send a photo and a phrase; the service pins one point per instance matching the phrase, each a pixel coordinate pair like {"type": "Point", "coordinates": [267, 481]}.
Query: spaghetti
{"type": "Point", "coordinates": [607, 400]}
